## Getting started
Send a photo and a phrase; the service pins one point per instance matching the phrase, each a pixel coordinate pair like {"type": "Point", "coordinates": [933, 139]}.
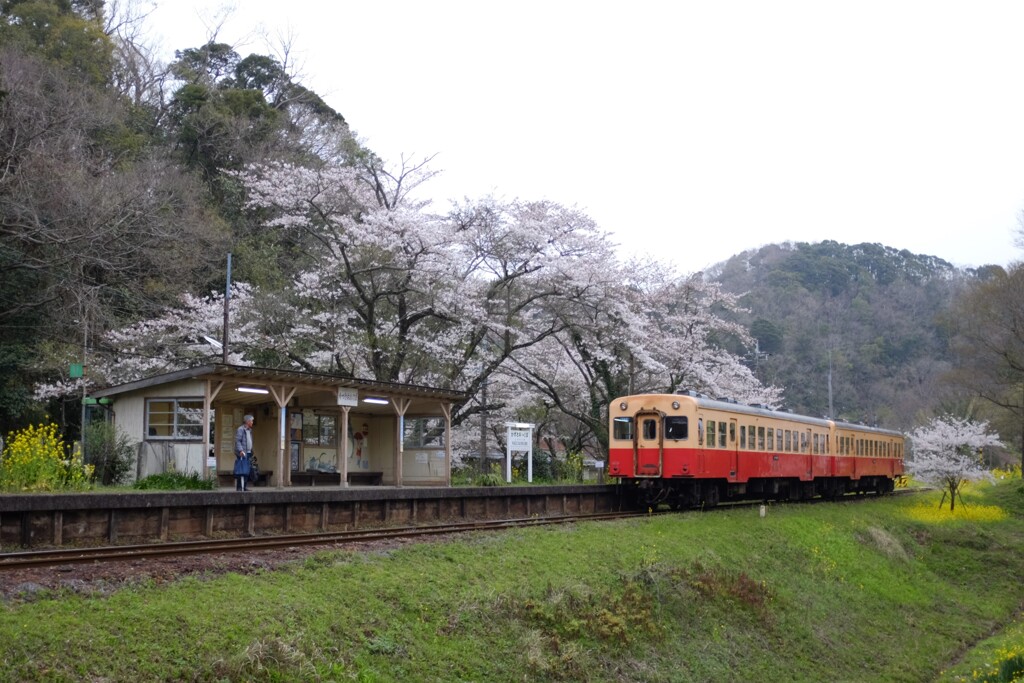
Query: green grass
{"type": "Point", "coordinates": [841, 592]}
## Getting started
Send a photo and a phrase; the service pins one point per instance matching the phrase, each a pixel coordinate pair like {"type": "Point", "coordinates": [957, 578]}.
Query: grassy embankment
{"type": "Point", "coordinates": [879, 590]}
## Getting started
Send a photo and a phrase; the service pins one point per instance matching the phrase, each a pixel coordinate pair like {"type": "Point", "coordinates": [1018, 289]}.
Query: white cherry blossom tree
{"type": "Point", "coordinates": [947, 453]}
{"type": "Point", "coordinates": [525, 298]}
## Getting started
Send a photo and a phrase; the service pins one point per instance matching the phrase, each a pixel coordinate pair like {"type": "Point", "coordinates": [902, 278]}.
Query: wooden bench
{"type": "Point", "coordinates": [225, 478]}
{"type": "Point", "coordinates": [368, 478]}
{"type": "Point", "coordinates": [314, 478]}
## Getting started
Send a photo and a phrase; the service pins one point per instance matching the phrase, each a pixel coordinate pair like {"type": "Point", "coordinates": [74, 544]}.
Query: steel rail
{"type": "Point", "coordinates": [44, 558]}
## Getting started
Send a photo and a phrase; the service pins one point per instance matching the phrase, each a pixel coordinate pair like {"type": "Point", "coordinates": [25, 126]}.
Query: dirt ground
{"type": "Point", "coordinates": [18, 585]}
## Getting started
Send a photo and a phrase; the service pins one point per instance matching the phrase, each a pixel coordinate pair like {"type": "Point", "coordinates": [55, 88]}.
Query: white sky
{"type": "Point", "coordinates": [690, 130]}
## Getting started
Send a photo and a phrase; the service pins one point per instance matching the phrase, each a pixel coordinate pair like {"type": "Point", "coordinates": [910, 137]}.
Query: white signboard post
{"type": "Point", "coordinates": [520, 440]}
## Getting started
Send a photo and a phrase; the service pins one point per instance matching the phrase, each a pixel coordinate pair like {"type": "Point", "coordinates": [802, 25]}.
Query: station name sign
{"type": "Point", "coordinates": [348, 397]}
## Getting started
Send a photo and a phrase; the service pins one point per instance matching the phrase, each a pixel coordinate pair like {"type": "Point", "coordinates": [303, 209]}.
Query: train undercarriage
{"type": "Point", "coordinates": [686, 493]}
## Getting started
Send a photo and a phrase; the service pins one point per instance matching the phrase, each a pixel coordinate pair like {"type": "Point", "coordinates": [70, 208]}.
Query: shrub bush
{"type": "Point", "coordinates": [175, 481]}
{"type": "Point", "coordinates": [569, 469]}
{"type": "Point", "coordinates": [37, 459]}
{"type": "Point", "coordinates": [110, 452]}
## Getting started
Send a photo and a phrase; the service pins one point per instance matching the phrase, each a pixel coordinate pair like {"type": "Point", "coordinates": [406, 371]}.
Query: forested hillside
{"type": "Point", "coordinates": [874, 318]}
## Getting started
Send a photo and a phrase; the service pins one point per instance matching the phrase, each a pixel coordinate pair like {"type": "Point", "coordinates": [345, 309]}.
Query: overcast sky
{"type": "Point", "coordinates": [689, 130]}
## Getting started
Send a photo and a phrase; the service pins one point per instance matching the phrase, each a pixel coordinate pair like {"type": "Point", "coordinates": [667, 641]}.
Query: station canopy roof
{"type": "Point", "coordinates": [312, 389]}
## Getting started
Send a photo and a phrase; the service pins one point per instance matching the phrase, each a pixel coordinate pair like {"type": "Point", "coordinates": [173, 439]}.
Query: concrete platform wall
{"type": "Point", "coordinates": [91, 519]}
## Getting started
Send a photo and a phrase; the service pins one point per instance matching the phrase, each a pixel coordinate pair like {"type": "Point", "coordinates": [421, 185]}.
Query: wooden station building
{"type": "Point", "coordinates": [309, 428]}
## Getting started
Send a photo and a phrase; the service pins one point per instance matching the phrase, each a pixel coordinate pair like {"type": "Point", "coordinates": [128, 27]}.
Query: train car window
{"type": "Point", "coordinates": [677, 427]}
{"type": "Point", "coordinates": [760, 438]}
{"type": "Point", "coordinates": [732, 432]}
{"type": "Point", "coordinates": [743, 436]}
{"type": "Point", "coordinates": [711, 433]}
{"type": "Point", "coordinates": [650, 429]}
{"type": "Point", "coordinates": [622, 428]}
{"type": "Point", "coordinates": [771, 439]}
{"type": "Point", "coordinates": [789, 440]}
{"type": "Point", "coordinates": [803, 442]}
{"type": "Point", "coordinates": [700, 431]}
{"type": "Point", "coordinates": [721, 435]}
{"type": "Point", "coordinates": [814, 444]}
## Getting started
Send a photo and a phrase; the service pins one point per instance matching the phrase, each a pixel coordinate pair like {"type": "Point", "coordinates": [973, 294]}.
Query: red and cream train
{"type": "Point", "coordinates": [686, 450]}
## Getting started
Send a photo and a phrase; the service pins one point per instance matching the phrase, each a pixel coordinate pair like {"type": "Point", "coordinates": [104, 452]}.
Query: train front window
{"type": "Point", "coordinates": [650, 429]}
{"type": "Point", "coordinates": [622, 428]}
{"type": "Point", "coordinates": [677, 427]}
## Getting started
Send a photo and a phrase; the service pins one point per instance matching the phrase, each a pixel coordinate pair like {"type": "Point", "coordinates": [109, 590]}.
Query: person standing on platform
{"type": "Point", "coordinates": [243, 454]}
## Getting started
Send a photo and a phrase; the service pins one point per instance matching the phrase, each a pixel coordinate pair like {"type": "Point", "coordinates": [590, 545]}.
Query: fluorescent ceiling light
{"type": "Point", "coordinates": [381, 401]}
{"type": "Point", "coordinates": [254, 390]}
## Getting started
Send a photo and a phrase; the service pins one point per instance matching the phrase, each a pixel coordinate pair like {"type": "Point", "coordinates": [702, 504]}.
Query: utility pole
{"type": "Point", "coordinates": [227, 300]}
{"type": "Point", "coordinates": [483, 427]}
{"type": "Point", "coordinates": [831, 410]}
{"type": "Point", "coordinates": [85, 361]}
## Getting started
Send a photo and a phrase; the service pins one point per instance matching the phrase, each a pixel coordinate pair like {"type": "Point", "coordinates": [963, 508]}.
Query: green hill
{"type": "Point", "coordinates": [871, 314]}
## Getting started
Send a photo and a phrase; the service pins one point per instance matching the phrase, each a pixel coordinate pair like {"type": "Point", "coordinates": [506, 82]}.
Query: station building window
{"type": "Point", "coordinates": [175, 418]}
{"type": "Point", "coordinates": [423, 432]}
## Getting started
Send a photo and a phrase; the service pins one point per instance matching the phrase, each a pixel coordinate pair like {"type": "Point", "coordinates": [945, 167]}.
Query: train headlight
{"type": "Point", "coordinates": [675, 405]}
{"type": "Point", "coordinates": [622, 406]}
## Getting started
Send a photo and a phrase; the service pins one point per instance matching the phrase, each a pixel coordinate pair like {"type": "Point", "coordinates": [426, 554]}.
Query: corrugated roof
{"type": "Point", "coordinates": [249, 374]}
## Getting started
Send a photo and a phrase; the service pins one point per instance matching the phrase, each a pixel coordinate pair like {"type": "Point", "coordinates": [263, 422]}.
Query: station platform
{"type": "Point", "coordinates": [94, 518]}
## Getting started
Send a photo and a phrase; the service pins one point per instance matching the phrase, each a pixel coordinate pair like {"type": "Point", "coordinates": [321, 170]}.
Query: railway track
{"type": "Point", "coordinates": [69, 556]}
{"type": "Point", "coordinates": [66, 556]}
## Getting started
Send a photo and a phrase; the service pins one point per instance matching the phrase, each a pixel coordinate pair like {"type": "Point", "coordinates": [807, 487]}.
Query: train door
{"type": "Point", "coordinates": [809, 457]}
{"type": "Point", "coordinates": [734, 448]}
{"type": "Point", "coordinates": [648, 445]}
